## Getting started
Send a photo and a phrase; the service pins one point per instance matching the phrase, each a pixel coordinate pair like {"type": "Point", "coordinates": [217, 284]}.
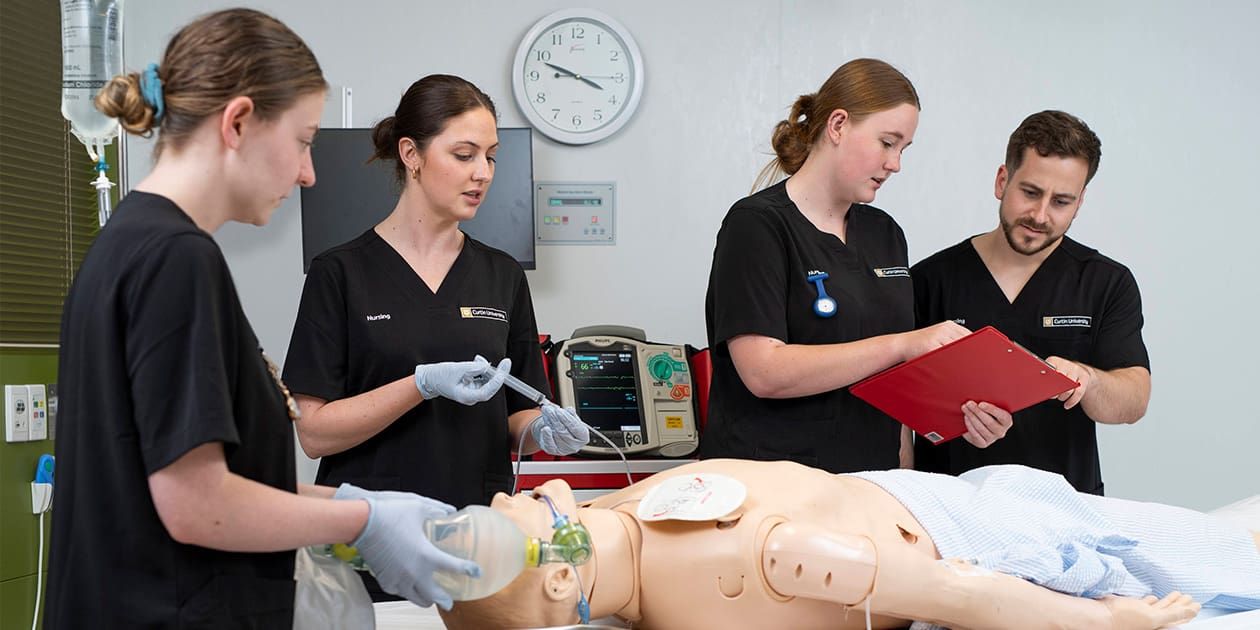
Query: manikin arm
{"type": "Point", "coordinates": [803, 560]}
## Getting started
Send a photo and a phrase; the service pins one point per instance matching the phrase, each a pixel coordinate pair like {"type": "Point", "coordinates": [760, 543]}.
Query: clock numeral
{"type": "Point", "coordinates": [577, 32]}
{"type": "Point", "coordinates": [554, 112]}
{"type": "Point", "coordinates": [597, 38]}
{"type": "Point", "coordinates": [620, 77]}
{"type": "Point", "coordinates": [577, 120]}
{"type": "Point", "coordinates": [599, 115]}
{"type": "Point", "coordinates": [612, 100]}
{"type": "Point", "coordinates": [540, 98]}
{"type": "Point", "coordinates": [556, 39]}
{"type": "Point", "coordinates": [533, 75]}
{"type": "Point", "coordinates": [544, 55]}
{"type": "Point", "coordinates": [614, 55]}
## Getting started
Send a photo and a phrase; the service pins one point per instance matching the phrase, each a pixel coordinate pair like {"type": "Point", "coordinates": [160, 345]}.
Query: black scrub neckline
{"type": "Point", "coordinates": [1045, 269]}
{"type": "Point", "coordinates": [408, 276]}
{"type": "Point", "coordinates": [827, 238]}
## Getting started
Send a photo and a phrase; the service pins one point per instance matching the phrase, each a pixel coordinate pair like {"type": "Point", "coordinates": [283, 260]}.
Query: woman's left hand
{"type": "Point", "coordinates": [559, 431]}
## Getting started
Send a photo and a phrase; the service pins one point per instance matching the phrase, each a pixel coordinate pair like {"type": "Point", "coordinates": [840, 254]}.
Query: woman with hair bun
{"type": "Point", "coordinates": [177, 504]}
{"type": "Point", "coordinates": [414, 289]}
{"type": "Point", "coordinates": [810, 287]}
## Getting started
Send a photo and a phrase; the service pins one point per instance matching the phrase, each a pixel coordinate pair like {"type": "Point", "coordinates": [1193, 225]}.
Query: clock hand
{"type": "Point", "coordinates": [589, 82]}
{"type": "Point", "coordinates": [565, 71]}
{"type": "Point", "coordinates": [573, 74]}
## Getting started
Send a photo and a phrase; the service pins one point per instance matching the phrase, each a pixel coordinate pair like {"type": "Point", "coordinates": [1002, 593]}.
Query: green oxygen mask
{"type": "Point", "coordinates": [500, 548]}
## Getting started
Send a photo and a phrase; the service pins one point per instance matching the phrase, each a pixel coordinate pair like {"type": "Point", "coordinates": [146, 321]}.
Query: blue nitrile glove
{"type": "Point", "coordinates": [467, 382]}
{"type": "Point", "coordinates": [559, 431]}
{"type": "Point", "coordinates": [395, 548]}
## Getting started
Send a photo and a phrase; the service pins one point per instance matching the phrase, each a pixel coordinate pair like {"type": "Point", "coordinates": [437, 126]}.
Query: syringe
{"type": "Point", "coordinates": [524, 389]}
{"type": "Point", "coordinates": [517, 385]}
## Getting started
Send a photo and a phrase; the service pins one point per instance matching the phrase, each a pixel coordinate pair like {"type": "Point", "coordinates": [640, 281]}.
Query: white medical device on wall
{"type": "Point", "coordinates": [637, 393]}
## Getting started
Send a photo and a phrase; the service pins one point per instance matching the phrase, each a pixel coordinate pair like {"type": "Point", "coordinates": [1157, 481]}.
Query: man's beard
{"type": "Point", "coordinates": [1008, 229]}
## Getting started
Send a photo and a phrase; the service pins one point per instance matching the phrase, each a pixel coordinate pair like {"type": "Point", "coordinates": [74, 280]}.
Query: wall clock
{"type": "Point", "coordinates": [577, 76]}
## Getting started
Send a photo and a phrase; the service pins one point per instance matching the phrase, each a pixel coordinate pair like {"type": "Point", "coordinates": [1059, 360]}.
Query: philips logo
{"type": "Point", "coordinates": [372, 318]}
{"type": "Point", "coordinates": [482, 312]}
{"type": "Point", "coordinates": [892, 272]}
{"type": "Point", "coordinates": [1067, 321]}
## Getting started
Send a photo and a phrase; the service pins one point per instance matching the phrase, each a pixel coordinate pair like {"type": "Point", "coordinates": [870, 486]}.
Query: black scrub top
{"type": "Point", "coordinates": [156, 359]}
{"type": "Point", "coordinates": [366, 319]}
{"type": "Point", "coordinates": [758, 285]}
{"type": "Point", "coordinates": [1079, 305]}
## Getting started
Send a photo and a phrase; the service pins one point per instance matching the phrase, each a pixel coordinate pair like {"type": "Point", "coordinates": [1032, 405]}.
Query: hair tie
{"type": "Point", "coordinates": [151, 90]}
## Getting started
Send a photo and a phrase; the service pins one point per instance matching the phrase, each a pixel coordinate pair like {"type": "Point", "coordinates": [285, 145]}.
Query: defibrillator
{"type": "Point", "coordinates": [639, 395]}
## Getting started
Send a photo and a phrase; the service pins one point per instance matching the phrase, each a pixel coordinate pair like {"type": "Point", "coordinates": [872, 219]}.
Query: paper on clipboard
{"type": "Point", "coordinates": [927, 393]}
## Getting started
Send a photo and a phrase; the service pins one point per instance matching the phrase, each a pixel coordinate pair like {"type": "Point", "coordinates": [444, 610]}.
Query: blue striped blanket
{"type": "Point", "coordinates": [1034, 525]}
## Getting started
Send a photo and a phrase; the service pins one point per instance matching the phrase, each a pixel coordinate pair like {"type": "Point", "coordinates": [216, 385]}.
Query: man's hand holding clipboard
{"type": "Point", "coordinates": [928, 393]}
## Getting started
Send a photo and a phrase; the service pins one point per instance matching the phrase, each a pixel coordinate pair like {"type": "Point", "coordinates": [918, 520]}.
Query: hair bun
{"type": "Point", "coordinates": [121, 99]}
{"type": "Point", "coordinates": [802, 108]}
{"type": "Point", "coordinates": [383, 141]}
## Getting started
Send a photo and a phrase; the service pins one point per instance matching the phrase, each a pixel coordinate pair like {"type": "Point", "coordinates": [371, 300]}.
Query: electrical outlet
{"type": "Point", "coordinates": [52, 411]}
{"type": "Point", "coordinates": [39, 412]}
{"type": "Point", "coordinates": [17, 418]}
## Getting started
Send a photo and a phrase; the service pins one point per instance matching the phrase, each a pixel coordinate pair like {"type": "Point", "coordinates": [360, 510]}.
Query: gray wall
{"type": "Point", "coordinates": [1168, 85]}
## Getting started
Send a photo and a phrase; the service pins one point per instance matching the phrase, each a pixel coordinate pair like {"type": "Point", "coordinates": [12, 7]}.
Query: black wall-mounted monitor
{"type": "Point", "coordinates": [350, 195]}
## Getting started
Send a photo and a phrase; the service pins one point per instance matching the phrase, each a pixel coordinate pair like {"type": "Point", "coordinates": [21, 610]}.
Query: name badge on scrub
{"type": "Point", "coordinates": [824, 305]}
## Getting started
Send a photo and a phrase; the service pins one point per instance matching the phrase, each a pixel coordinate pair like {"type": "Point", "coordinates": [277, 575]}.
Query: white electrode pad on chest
{"type": "Point", "coordinates": [698, 497]}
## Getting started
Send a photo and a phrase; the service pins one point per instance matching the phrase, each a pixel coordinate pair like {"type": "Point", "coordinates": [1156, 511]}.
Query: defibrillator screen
{"type": "Point", "coordinates": [607, 393]}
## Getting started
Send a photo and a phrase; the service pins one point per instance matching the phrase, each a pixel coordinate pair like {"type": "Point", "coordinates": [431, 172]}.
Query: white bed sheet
{"type": "Point", "coordinates": [406, 616]}
{"type": "Point", "coordinates": [1213, 620]}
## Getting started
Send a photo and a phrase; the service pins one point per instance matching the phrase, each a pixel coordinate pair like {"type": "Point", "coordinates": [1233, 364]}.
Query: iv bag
{"type": "Point", "coordinates": [91, 54]}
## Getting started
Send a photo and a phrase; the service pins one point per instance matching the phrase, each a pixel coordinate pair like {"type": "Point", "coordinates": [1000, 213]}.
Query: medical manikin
{"type": "Point", "coordinates": [809, 549]}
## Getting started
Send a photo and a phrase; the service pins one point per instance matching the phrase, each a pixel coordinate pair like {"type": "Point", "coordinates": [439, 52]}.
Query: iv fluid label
{"type": "Point", "coordinates": [90, 56]}
{"type": "Point", "coordinates": [698, 497]}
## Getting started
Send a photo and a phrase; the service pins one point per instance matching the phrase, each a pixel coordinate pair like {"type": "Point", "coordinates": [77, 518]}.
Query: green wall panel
{"type": "Point", "coordinates": [17, 598]}
{"type": "Point", "coordinates": [19, 533]}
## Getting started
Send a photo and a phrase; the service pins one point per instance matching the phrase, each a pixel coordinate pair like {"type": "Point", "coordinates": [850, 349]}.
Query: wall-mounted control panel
{"type": "Point", "coordinates": [575, 213]}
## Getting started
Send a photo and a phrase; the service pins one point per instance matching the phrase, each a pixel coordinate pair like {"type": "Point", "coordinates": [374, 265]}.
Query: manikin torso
{"type": "Point", "coordinates": [709, 574]}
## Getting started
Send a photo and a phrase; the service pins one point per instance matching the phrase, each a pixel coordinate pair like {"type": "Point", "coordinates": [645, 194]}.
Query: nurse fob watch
{"type": "Point", "coordinates": [824, 305]}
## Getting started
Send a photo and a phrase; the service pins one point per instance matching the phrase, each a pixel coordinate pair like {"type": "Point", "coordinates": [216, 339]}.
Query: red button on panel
{"type": "Point", "coordinates": [679, 392]}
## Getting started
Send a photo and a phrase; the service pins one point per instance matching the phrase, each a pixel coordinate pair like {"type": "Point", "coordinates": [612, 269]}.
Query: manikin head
{"type": "Point", "coordinates": [542, 596]}
{"type": "Point", "coordinates": [1050, 159]}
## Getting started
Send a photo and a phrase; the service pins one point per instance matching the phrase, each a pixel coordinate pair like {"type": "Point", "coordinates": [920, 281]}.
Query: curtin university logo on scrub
{"type": "Point", "coordinates": [891, 272]}
{"type": "Point", "coordinates": [1067, 321]}
{"type": "Point", "coordinates": [482, 312]}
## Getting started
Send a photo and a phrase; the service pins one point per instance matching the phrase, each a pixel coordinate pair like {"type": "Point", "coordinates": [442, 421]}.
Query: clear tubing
{"type": "Point", "coordinates": [104, 202]}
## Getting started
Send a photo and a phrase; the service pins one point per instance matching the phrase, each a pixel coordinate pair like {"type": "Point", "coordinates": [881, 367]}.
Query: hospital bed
{"type": "Point", "coordinates": [406, 616]}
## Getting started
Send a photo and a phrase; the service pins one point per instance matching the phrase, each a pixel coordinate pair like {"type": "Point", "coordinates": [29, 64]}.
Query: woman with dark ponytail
{"type": "Point", "coordinates": [177, 504]}
{"type": "Point", "coordinates": [412, 290]}
{"type": "Point", "coordinates": [810, 287]}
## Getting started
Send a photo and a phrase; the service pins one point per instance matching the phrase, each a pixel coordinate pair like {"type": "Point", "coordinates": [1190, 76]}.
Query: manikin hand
{"type": "Point", "coordinates": [985, 423]}
{"type": "Point", "coordinates": [559, 431]}
{"type": "Point", "coordinates": [1078, 372]}
{"type": "Point", "coordinates": [923, 340]}
{"type": "Point", "coordinates": [395, 548]}
{"type": "Point", "coordinates": [1150, 612]}
{"type": "Point", "coordinates": [466, 382]}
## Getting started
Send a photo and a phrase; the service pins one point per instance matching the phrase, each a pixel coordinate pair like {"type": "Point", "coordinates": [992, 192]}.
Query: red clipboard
{"type": "Point", "coordinates": [927, 393]}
